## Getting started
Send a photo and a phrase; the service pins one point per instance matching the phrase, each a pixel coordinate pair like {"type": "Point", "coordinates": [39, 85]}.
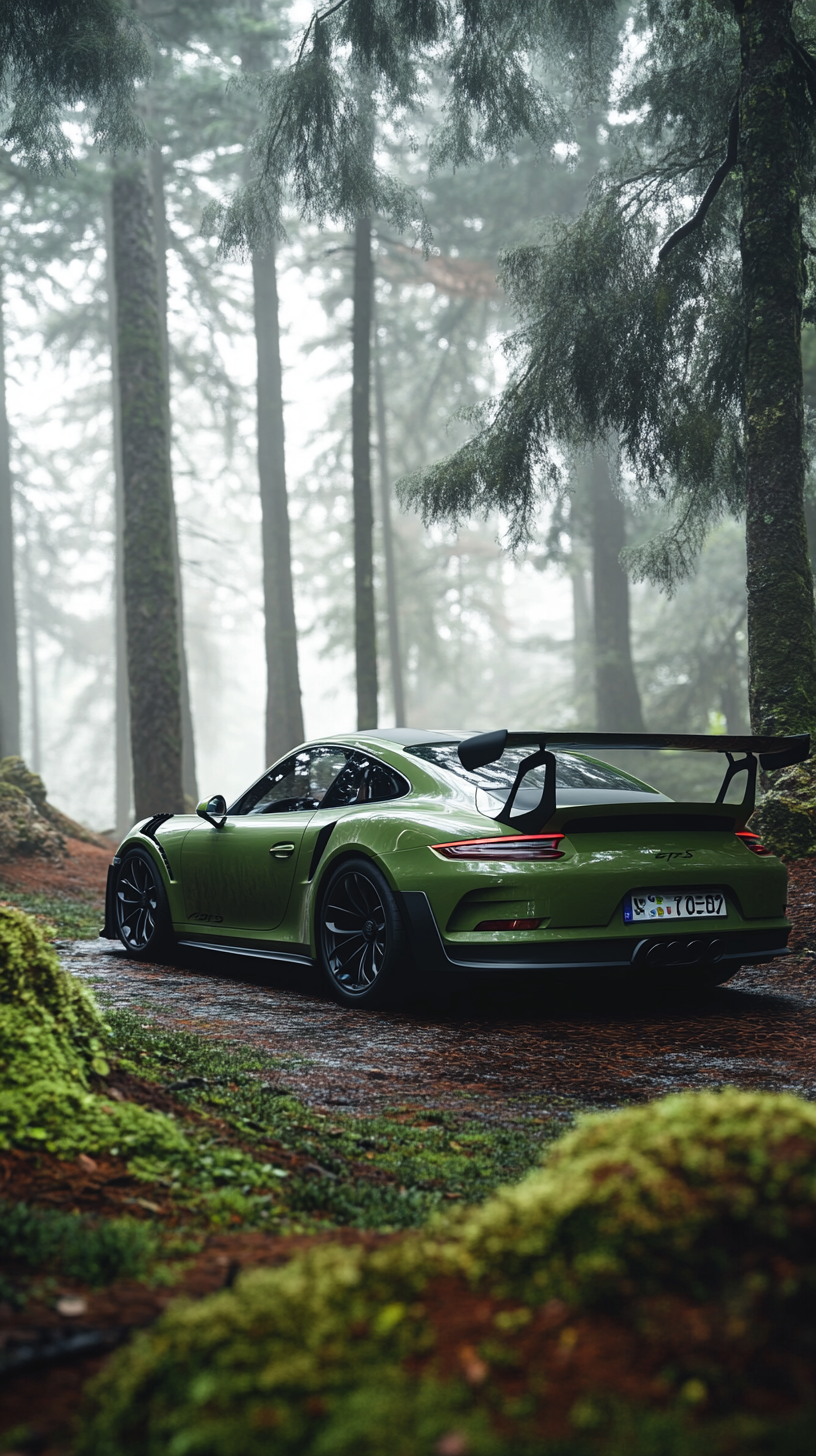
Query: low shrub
{"type": "Point", "coordinates": [93, 1251]}
{"type": "Point", "coordinates": [339, 1352]}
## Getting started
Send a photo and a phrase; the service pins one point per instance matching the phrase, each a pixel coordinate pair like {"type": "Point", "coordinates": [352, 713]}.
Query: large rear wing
{"type": "Point", "coordinates": [767, 753]}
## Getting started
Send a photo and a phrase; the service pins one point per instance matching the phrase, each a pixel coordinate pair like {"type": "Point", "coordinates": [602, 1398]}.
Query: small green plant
{"type": "Point", "coordinates": [93, 1251]}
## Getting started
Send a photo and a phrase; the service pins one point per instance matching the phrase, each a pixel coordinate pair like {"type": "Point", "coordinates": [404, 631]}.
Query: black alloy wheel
{"type": "Point", "coordinates": [361, 940]}
{"type": "Point", "coordinates": [142, 912]}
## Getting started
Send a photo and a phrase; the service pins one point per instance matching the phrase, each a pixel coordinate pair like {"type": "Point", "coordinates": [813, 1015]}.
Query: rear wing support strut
{"type": "Point", "coordinates": [736, 766]}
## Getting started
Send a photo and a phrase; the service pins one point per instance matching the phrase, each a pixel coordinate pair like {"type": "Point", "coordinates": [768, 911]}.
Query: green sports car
{"type": "Point", "coordinates": [394, 857]}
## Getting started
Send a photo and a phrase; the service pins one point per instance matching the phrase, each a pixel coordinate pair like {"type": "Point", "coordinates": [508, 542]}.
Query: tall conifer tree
{"type": "Point", "coordinates": [692, 361]}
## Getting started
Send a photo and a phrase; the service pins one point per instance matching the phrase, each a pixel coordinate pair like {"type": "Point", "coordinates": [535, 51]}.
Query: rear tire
{"type": "Point", "coordinates": [142, 913]}
{"type": "Point", "coordinates": [361, 944]}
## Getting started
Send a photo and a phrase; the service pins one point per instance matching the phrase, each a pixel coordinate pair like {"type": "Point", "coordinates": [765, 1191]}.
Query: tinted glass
{"type": "Point", "coordinates": [300, 782]}
{"type": "Point", "coordinates": [572, 771]}
{"type": "Point", "coordinates": [365, 781]}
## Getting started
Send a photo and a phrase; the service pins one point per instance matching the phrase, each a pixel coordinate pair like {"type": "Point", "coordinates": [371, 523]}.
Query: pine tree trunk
{"type": "Point", "coordinates": [781, 627]}
{"type": "Point", "coordinates": [365, 632]}
{"type": "Point", "coordinates": [284, 711]}
{"type": "Point", "coordinates": [616, 692]}
{"type": "Point", "coordinates": [188, 758]}
{"type": "Point", "coordinates": [9, 670]}
{"type": "Point", "coordinates": [149, 572]}
{"type": "Point", "coordinates": [123, 766]}
{"type": "Point", "coordinates": [583, 645]}
{"type": "Point", "coordinates": [284, 706]}
{"type": "Point", "coordinates": [392, 603]}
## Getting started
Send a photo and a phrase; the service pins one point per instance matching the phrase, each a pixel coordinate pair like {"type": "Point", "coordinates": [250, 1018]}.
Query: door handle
{"type": "Point", "coordinates": [282, 851]}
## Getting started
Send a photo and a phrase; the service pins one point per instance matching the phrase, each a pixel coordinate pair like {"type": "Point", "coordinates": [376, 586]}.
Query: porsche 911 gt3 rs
{"type": "Point", "coordinates": [396, 856]}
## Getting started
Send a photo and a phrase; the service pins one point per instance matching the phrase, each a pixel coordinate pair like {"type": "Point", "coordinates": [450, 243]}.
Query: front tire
{"type": "Point", "coordinates": [142, 912]}
{"type": "Point", "coordinates": [360, 935]}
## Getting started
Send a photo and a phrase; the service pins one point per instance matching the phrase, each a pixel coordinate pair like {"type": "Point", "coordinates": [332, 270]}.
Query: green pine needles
{"type": "Point", "coordinates": [55, 54]}
{"type": "Point", "coordinates": [363, 63]}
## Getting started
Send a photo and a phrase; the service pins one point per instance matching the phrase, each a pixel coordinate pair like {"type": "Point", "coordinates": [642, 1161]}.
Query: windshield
{"type": "Point", "coordinates": [572, 771]}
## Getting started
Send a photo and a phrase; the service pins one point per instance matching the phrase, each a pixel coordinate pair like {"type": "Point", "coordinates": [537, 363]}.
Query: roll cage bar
{"type": "Point", "coordinates": [767, 753]}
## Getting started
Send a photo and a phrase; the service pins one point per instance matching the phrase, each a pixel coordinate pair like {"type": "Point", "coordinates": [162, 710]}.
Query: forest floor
{"type": "Point", "coordinates": [366, 1122]}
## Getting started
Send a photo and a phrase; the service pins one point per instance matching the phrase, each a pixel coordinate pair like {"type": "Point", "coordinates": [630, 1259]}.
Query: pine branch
{"type": "Point", "coordinates": [727, 165]}
{"type": "Point", "coordinates": [317, 17]}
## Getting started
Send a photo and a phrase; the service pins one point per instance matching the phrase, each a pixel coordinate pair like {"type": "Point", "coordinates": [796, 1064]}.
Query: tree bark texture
{"type": "Point", "coordinates": [781, 628]}
{"type": "Point", "coordinates": [149, 571]}
{"type": "Point", "coordinates": [188, 758]}
{"type": "Point", "coordinates": [284, 710]}
{"type": "Point", "coordinates": [9, 669]}
{"type": "Point", "coordinates": [392, 599]}
{"type": "Point", "coordinates": [583, 645]}
{"type": "Point", "coordinates": [123, 766]}
{"type": "Point", "coordinates": [365, 631]}
{"type": "Point", "coordinates": [617, 698]}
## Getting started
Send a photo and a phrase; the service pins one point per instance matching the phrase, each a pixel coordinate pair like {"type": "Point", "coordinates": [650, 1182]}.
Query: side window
{"type": "Point", "coordinates": [365, 781]}
{"type": "Point", "coordinates": [300, 782]}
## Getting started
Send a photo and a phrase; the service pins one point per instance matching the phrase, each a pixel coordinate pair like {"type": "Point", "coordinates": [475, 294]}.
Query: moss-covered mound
{"type": "Point", "coordinates": [29, 825]}
{"type": "Point", "coordinates": [645, 1228]}
{"type": "Point", "coordinates": [698, 1193]}
{"type": "Point", "coordinates": [51, 1045]}
{"type": "Point", "coordinates": [24, 826]}
{"type": "Point", "coordinates": [785, 819]}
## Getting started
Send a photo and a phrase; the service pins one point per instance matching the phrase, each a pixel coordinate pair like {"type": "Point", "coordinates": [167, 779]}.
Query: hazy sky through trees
{"type": "Point", "coordinates": [490, 639]}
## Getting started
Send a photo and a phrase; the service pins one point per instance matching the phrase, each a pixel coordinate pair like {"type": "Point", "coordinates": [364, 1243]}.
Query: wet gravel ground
{"type": "Point", "coordinates": [498, 1052]}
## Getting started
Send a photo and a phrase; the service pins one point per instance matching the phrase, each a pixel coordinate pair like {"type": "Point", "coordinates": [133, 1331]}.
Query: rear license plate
{"type": "Point", "coordinates": [673, 905]}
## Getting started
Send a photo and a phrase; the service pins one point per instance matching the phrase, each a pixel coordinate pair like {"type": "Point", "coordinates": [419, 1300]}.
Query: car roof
{"type": "Point", "coordinates": [400, 737]}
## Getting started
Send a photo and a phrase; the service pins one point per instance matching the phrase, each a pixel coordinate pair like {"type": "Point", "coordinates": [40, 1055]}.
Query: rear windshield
{"type": "Point", "coordinates": [572, 770]}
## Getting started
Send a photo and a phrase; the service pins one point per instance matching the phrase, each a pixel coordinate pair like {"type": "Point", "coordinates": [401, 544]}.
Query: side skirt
{"type": "Point", "coordinates": [256, 952]}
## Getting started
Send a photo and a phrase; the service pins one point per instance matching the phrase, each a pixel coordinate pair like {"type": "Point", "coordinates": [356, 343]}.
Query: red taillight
{"type": "Point", "coordinates": [508, 925]}
{"type": "Point", "coordinates": [509, 847]}
{"type": "Point", "coordinates": [752, 842]}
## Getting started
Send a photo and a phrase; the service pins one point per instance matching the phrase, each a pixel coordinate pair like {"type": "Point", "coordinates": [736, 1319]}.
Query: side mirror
{"type": "Point", "coordinates": [209, 808]}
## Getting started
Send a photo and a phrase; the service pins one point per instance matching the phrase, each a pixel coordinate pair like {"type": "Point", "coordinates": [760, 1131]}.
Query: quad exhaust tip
{"type": "Point", "coordinates": [656, 955]}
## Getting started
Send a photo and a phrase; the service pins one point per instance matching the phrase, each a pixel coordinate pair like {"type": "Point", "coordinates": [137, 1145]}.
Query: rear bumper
{"type": "Point", "coordinates": [602, 955]}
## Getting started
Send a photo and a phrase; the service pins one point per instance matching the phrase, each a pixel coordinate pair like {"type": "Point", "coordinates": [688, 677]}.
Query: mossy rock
{"type": "Point", "coordinates": [785, 818]}
{"type": "Point", "coordinates": [25, 828]}
{"type": "Point", "coordinates": [29, 825]}
{"type": "Point", "coordinates": [333, 1355]}
{"type": "Point", "coordinates": [15, 774]}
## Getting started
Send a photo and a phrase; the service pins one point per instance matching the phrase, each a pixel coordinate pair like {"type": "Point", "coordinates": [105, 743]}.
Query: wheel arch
{"type": "Point", "coordinates": [153, 851]}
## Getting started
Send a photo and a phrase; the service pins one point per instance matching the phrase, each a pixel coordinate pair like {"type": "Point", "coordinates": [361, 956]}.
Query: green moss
{"type": "Point", "coordinates": [51, 1042]}
{"type": "Point", "coordinates": [710, 1192]}
{"type": "Point", "coordinates": [785, 819]}
{"type": "Point", "coordinates": [697, 1193]}
{"type": "Point", "coordinates": [32, 980]}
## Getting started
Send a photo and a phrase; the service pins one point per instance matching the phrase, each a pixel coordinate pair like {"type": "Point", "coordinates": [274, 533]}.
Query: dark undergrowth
{"type": "Point", "coordinates": [94, 1251]}
{"type": "Point", "coordinates": [61, 916]}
